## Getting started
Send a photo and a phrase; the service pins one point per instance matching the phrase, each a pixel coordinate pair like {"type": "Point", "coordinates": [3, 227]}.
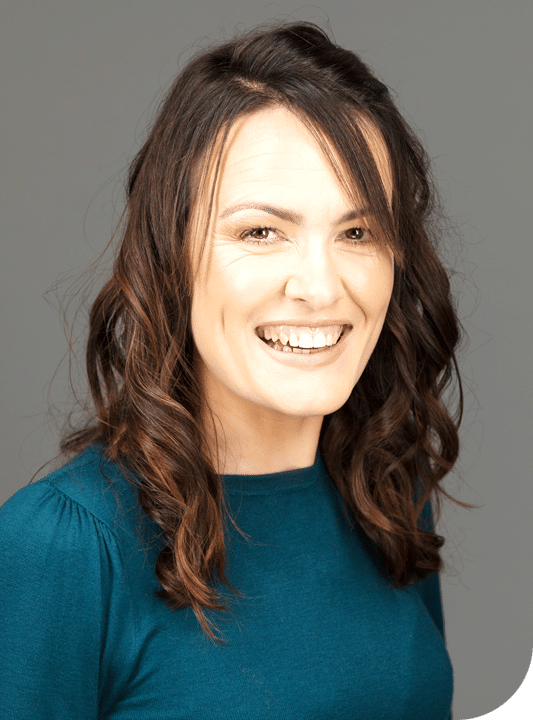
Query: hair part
{"type": "Point", "coordinates": [394, 430]}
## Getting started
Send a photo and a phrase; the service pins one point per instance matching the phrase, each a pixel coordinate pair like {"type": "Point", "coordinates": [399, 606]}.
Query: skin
{"type": "Point", "coordinates": [268, 414]}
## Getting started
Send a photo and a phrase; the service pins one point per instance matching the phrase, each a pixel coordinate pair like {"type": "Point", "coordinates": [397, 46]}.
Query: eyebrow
{"type": "Point", "coordinates": [291, 215]}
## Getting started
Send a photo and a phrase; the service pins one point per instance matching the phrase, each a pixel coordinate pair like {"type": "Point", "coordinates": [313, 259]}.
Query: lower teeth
{"type": "Point", "coordinates": [288, 348]}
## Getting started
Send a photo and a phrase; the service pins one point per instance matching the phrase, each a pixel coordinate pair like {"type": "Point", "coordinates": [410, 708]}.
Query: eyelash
{"type": "Point", "coordinates": [246, 236]}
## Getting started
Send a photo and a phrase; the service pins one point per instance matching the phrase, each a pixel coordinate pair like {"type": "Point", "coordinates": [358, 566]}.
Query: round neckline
{"type": "Point", "coordinates": [275, 482]}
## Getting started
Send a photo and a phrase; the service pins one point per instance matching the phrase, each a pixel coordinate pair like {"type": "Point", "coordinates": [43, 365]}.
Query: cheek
{"type": "Point", "coordinates": [378, 299]}
{"type": "Point", "coordinates": [225, 296]}
{"type": "Point", "coordinates": [242, 284]}
{"type": "Point", "coordinates": [373, 286]}
{"type": "Point", "coordinates": [204, 313]}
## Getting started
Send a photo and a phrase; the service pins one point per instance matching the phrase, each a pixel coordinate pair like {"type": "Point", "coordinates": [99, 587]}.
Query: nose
{"type": "Point", "coordinates": [314, 276]}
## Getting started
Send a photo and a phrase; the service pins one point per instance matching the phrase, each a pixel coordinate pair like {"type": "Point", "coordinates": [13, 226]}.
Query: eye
{"type": "Point", "coordinates": [358, 235]}
{"type": "Point", "coordinates": [258, 235]}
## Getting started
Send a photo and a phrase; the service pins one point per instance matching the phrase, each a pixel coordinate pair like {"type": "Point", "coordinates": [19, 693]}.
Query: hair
{"type": "Point", "coordinates": [395, 430]}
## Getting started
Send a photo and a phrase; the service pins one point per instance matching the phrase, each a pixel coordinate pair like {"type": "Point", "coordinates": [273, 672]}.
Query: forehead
{"type": "Point", "coordinates": [274, 145]}
{"type": "Point", "coordinates": [269, 152]}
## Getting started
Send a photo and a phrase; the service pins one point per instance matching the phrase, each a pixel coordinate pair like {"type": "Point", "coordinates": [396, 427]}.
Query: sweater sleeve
{"type": "Point", "coordinates": [57, 564]}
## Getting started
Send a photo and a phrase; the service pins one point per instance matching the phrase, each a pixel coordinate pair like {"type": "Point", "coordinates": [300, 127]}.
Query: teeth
{"type": "Point", "coordinates": [319, 340]}
{"type": "Point", "coordinates": [300, 336]}
{"type": "Point", "coordinates": [270, 334]}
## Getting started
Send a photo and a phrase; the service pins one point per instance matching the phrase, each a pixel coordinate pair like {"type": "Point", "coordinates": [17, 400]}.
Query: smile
{"type": "Point", "coordinates": [294, 337]}
{"type": "Point", "coordinates": [300, 340]}
{"type": "Point", "coordinates": [294, 354]}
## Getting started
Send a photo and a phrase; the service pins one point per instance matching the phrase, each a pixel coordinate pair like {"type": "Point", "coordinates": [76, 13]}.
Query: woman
{"type": "Point", "coordinates": [267, 363]}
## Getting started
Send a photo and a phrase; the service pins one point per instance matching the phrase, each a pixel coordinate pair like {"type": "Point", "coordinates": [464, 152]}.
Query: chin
{"type": "Point", "coordinates": [311, 408]}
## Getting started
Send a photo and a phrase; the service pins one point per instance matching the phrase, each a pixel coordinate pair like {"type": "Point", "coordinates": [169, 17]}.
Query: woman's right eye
{"type": "Point", "coordinates": [258, 235]}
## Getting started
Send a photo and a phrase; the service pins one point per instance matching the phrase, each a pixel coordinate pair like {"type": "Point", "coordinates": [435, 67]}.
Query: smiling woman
{"type": "Point", "coordinates": [272, 347]}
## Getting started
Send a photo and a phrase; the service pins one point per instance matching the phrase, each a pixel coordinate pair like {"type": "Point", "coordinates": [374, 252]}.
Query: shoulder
{"type": "Point", "coordinates": [68, 579]}
{"type": "Point", "coordinates": [88, 493]}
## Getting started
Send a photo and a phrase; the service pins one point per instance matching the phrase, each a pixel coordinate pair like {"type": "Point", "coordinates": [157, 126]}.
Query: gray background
{"type": "Point", "coordinates": [78, 86]}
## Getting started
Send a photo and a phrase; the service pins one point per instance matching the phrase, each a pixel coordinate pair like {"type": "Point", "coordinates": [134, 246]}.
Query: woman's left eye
{"type": "Point", "coordinates": [357, 234]}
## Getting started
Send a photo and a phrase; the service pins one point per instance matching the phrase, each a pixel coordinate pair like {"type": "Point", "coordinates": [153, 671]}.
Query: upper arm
{"type": "Point", "coordinates": [55, 569]}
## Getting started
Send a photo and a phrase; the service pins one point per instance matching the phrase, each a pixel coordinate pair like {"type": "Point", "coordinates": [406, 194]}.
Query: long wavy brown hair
{"type": "Point", "coordinates": [394, 432]}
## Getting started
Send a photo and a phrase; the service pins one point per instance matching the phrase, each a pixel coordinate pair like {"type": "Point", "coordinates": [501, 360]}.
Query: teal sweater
{"type": "Point", "coordinates": [321, 634]}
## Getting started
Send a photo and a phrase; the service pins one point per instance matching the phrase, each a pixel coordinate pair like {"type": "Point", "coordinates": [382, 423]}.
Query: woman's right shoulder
{"type": "Point", "coordinates": [87, 492]}
{"type": "Point", "coordinates": [67, 577]}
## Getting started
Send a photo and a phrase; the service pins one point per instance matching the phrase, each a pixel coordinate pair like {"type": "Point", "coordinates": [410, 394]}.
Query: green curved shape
{"type": "Point", "coordinates": [520, 706]}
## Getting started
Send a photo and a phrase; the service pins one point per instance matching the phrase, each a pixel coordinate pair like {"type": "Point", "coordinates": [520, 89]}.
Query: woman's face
{"type": "Point", "coordinates": [286, 248]}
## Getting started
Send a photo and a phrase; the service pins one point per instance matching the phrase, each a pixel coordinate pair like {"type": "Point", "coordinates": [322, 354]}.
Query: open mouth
{"type": "Point", "coordinates": [280, 347]}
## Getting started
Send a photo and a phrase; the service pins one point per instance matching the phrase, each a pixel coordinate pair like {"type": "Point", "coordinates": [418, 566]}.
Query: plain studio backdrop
{"type": "Point", "coordinates": [79, 80]}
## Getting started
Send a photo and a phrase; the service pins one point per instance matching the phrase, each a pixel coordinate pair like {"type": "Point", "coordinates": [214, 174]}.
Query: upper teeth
{"type": "Point", "coordinates": [304, 337]}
